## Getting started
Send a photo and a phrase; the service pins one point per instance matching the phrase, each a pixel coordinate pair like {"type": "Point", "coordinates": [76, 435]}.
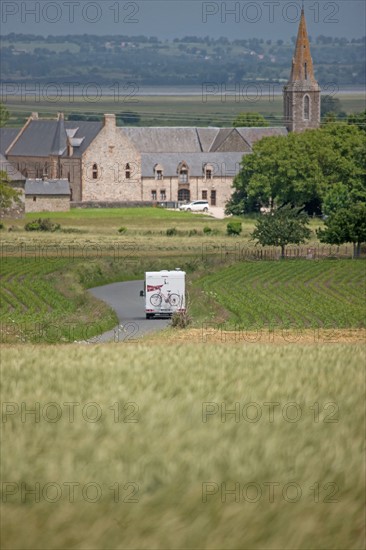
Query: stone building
{"type": "Point", "coordinates": [301, 95]}
{"type": "Point", "coordinates": [110, 165]}
{"type": "Point", "coordinates": [47, 195]}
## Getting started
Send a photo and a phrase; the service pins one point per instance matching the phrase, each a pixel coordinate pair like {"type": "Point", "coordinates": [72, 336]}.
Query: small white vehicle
{"type": "Point", "coordinates": [195, 206]}
{"type": "Point", "coordinates": [164, 292]}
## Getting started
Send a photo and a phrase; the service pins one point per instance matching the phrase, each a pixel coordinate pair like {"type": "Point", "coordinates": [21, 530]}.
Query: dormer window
{"type": "Point", "coordinates": [95, 172]}
{"type": "Point", "coordinates": [183, 173]}
{"type": "Point", "coordinates": [128, 172]}
{"type": "Point", "coordinates": [159, 173]}
{"type": "Point", "coordinates": [208, 172]}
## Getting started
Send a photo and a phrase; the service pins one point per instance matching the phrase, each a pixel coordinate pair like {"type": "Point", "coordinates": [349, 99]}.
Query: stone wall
{"type": "Point", "coordinates": [296, 121]}
{"type": "Point", "coordinates": [222, 186]}
{"type": "Point", "coordinates": [47, 203]}
{"type": "Point", "coordinates": [111, 151]}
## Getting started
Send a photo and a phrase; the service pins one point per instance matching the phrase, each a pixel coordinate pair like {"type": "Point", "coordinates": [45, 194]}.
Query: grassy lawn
{"type": "Point", "coordinates": [157, 483]}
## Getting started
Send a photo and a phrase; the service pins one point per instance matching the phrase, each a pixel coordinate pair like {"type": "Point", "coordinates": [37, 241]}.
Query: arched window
{"type": "Point", "coordinates": [183, 172]}
{"type": "Point", "coordinates": [288, 108]}
{"type": "Point", "coordinates": [306, 107]}
{"type": "Point", "coordinates": [159, 172]}
{"type": "Point", "coordinates": [95, 171]}
{"type": "Point", "coordinates": [128, 171]}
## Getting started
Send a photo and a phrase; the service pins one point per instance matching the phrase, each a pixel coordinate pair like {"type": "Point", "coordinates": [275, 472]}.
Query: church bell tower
{"type": "Point", "coordinates": [301, 94]}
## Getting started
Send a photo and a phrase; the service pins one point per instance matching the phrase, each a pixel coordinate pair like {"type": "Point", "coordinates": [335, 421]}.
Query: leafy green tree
{"type": "Point", "coordinates": [301, 168]}
{"type": "Point", "coordinates": [8, 195]}
{"type": "Point", "coordinates": [4, 115]}
{"type": "Point", "coordinates": [284, 226]}
{"type": "Point", "coordinates": [250, 120]}
{"type": "Point", "coordinates": [359, 120]}
{"type": "Point", "coordinates": [346, 225]}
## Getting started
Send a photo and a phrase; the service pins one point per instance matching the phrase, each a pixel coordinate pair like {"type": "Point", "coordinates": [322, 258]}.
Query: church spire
{"type": "Point", "coordinates": [302, 63]}
{"type": "Point", "coordinates": [301, 94]}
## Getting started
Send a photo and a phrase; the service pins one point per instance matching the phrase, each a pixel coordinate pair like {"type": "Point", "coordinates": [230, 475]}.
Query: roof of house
{"type": "Point", "coordinates": [223, 164]}
{"type": "Point", "coordinates": [12, 172]}
{"type": "Point", "coordinates": [196, 140]}
{"type": "Point", "coordinates": [47, 187]}
{"type": "Point", "coordinates": [41, 138]}
{"type": "Point", "coordinates": [7, 135]}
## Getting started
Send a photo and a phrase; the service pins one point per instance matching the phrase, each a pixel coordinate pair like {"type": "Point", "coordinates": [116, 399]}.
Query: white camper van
{"type": "Point", "coordinates": [164, 292]}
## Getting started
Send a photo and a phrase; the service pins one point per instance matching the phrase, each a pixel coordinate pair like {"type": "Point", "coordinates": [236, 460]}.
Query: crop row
{"type": "Point", "coordinates": [297, 293]}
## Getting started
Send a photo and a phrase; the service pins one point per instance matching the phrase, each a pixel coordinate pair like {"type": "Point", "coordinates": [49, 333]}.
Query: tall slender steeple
{"type": "Point", "coordinates": [302, 93]}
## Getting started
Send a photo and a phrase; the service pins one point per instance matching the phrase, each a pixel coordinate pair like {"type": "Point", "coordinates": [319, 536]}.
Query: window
{"type": "Point", "coordinates": [184, 195]}
{"type": "Point", "coordinates": [34, 199]}
{"type": "Point", "coordinates": [183, 176]}
{"type": "Point", "coordinates": [204, 195]}
{"type": "Point", "coordinates": [95, 172]}
{"type": "Point", "coordinates": [213, 198]}
{"type": "Point", "coordinates": [128, 171]}
{"type": "Point", "coordinates": [183, 173]}
{"type": "Point", "coordinates": [158, 169]}
{"type": "Point", "coordinates": [306, 71]}
{"type": "Point", "coordinates": [208, 171]}
{"type": "Point", "coordinates": [162, 195]}
{"type": "Point", "coordinates": [306, 107]}
{"type": "Point", "coordinates": [153, 195]}
{"type": "Point", "coordinates": [288, 107]}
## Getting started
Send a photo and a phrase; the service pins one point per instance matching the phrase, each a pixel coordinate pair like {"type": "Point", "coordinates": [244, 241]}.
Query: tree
{"type": "Point", "coordinates": [284, 226]}
{"type": "Point", "coordinates": [346, 225]}
{"type": "Point", "coordinates": [359, 120]}
{"type": "Point", "coordinates": [250, 120]}
{"type": "Point", "coordinates": [4, 115]}
{"type": "Point", "coordinates": [301, 168]}
{"type": "Point", "coordinates": [8, 195]}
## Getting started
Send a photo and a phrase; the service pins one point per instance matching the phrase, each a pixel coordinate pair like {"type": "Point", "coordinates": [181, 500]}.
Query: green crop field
{"type": "Point", "coordinates": [148, 453]}
{"type": "Point", "coordinates": [129, 445]}
{"type": "Point", "coordinates": [296, 293]}
{"type": "Point", "coordinates": [168, 110]}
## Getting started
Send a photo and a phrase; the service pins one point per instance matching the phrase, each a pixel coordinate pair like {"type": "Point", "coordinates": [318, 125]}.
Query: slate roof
{"type": "Point", "coordinates": [251, 135]}
{"type": "Point", "coordinates": [13, 173]}
{"type": "Point", "coordinates": [163, 140]}
{"type": "Point", "coordinates": [223, 164]}
{"type": "Point", "coordinates": [7, 135]}
{"type": "Point", "coordinates": [47, 187]}
{"type": "Point", "coordinates": [192, 140]}
{"type": "Point", "coordinates": [42, 136]}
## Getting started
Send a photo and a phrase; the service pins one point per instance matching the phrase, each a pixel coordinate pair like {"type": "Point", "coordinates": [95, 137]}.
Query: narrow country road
{"type": "Point", "coordinates": [125, 299]}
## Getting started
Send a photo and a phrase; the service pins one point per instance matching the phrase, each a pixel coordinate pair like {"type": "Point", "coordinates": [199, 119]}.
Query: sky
{"type": "Point", "coordinates": [168, 19]}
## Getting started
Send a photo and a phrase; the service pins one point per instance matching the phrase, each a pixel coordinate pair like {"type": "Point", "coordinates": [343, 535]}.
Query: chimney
{"type": "Point", "coordinates": [34, 116]}
{"type": "Point", "coordinates": [60, 116]}
{"type": "Point", "coordinates": [110, 121]}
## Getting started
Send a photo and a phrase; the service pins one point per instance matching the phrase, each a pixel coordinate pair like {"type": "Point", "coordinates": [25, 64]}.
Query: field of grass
{"type": "Point", "coordinates": [148, 472]}
{"type": "Point", "coordinates": [170, 110]}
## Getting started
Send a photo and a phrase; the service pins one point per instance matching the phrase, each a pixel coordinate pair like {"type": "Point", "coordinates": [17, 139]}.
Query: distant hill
{"type": "Point", "coordinates": [189, 60]}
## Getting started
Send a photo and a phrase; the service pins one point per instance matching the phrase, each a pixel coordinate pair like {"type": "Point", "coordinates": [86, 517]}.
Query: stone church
{"type": "Point", "coordinates": [99, 163]}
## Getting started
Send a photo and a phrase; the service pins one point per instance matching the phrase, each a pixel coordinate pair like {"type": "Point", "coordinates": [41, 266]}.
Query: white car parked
{"type": "Point", "coordinates": [195, 206]}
